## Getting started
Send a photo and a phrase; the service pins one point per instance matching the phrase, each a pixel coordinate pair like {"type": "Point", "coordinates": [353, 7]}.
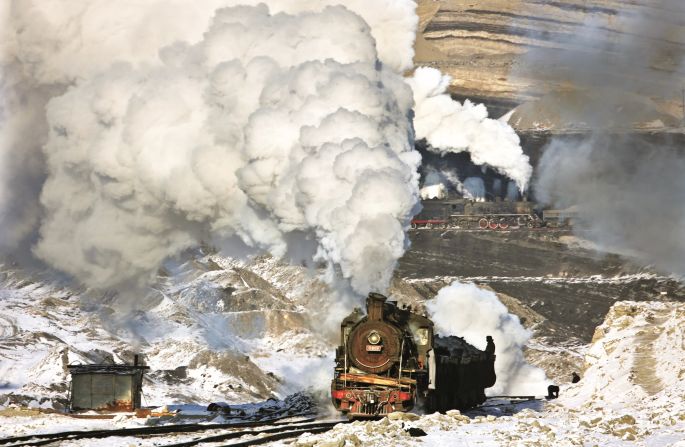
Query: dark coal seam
{"type": "Point", "coordinates": [516, 16]}
{"type": "Point", "coordinates": [548, 36]}
{"type": "Point", "coordinates": [573, 24]}
{"type": "Point", "coordinates": [575, 7]}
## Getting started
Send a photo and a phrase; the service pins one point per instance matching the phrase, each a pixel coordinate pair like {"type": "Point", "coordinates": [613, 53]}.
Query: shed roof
{"type": "Point", "coordinates": [107, 369]}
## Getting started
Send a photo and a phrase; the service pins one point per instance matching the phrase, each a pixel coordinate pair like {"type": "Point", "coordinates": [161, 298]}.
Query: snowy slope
{"type": "Point", "coordinates": [635, 368]}
{"type": "Point", "coordinates": [218, 329]}
{"type": "Point", "coordinates": [631, 394]}
{"type": "Point", "coordinates": [195, 329]}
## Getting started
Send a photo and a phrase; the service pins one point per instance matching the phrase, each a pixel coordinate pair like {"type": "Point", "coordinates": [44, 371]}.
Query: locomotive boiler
{"type": "Point", "coordinates": [390, 360]}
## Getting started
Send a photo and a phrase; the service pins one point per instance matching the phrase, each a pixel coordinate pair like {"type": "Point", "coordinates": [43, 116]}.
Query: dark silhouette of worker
{"type": "Point", "coordinates": [490, 348]}
{"type": "Point", "coordinates": [552, 392]}
{"type": "Point", "coordinates": [575, 378]}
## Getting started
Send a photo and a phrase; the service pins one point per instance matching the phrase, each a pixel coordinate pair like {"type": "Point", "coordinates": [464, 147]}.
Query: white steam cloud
{"type": "Point", "coordinates": [451, 127]}
{"type": "Point", "coordinates": [433, 185]}
{"type": "Point", "coordinates": [625, 184]}
{"type": "Point", "coordinates": [474, 188]}
{"type": "Point", "coordinates": [133, 130]}
{"type": "Point", "coordinates": [627, 193]}
{"type": "Point", "coordinates": [467, 311]}
{"type": "Point", "coordinates": [292, 127]}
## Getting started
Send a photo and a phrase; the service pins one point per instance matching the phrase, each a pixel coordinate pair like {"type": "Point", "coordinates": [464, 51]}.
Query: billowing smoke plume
{"type": "Point", "coordinates": [451, 127]}
{"type": "Point", "coordinates": [624, 69]}
{"type": "Point", "coordinates": [467, 311]}
{"type": "Point", "coordinates": [256, 131]}
{"type": "Point", "coordinates": [21, 163]}
{"type": "Point", "coordinates": [132, 131]}
{"type": "Point", "coordinates": [627, 192]}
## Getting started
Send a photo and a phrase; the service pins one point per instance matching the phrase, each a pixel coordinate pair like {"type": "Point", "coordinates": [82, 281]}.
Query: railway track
{"type": "Point", "coordinates": [278, 430]}
{"type": "Point", "coordinates": [285, 431]}
{"type": "Point", "coordinates": [263, 431]}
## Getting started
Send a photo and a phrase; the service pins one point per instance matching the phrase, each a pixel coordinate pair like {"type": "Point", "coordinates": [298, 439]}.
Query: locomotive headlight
{"type": "Point", "coordinates": [422, 335]}
{"type": "Point", "coordinates": [374, 338]}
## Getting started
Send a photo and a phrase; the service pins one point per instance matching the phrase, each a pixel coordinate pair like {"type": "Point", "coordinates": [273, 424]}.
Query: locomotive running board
{"type": "Point", "coordinates": [376, 380]}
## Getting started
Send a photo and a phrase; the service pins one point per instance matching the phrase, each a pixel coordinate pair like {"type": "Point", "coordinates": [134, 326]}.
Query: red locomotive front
{"type": "Point", "coordinates": [387, 361]}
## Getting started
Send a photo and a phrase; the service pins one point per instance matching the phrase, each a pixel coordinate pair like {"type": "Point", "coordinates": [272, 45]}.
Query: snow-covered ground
{"type": "Point", "coordinates": [223, 330]}
{"type": "Point", "coordinates": [218, 331]}
{"type": "Point", "coordinates": [592, 279]}
{"type": "Point", "coordinates": [631, 394]}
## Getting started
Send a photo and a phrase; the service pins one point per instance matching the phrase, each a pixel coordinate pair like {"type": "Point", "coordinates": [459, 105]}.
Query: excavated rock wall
{"type": "Point", "coordinates": [507, 52]}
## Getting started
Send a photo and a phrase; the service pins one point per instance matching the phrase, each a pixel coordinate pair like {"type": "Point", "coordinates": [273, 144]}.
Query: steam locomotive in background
{"type": "Point", "coordinates": [390, 358]}
{"type": "Point", "coordinates": [459, 213]}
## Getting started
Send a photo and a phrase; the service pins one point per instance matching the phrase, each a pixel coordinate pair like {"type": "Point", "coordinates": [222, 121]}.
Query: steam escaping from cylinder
{"type": "Point", "coordinates": [467, 311]}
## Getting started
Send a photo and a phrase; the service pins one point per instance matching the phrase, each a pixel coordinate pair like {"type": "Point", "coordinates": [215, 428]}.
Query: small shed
{"type": "Point", "coordinates": [106, 387]}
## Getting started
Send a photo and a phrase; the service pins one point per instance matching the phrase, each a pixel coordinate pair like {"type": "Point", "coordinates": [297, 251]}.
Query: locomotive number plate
{"type": "Point", "coordinates": [374, 348]}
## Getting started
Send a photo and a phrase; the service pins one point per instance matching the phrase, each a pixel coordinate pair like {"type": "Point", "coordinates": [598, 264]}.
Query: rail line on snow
{"type": "Point", "coordinates": [277, 431]}
{"type": "Point", "coordinates": [272, 434]}
{"type": "Point", "coordinates": [280, 427]}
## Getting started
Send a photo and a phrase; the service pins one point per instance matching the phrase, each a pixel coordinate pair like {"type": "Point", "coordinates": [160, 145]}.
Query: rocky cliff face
{"type": "Point", "coordinates": [553, 56]}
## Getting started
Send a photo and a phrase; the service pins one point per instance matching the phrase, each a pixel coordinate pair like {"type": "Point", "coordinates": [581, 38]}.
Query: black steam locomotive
{"type": "Point", "coordinates": [458, 213]}
{"type": "Point", "coordinates": [390, 359]}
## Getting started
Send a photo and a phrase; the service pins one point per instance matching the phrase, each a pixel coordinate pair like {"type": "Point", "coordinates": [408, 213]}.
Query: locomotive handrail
{"type": "Point", "coordinates": [345, 380]}
{"type": "Point", "coordinates": [399, 373]}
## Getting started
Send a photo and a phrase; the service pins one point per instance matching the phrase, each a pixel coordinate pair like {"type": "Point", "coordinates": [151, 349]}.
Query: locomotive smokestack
{"type": "Point", "coordinates": [374, 306]}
